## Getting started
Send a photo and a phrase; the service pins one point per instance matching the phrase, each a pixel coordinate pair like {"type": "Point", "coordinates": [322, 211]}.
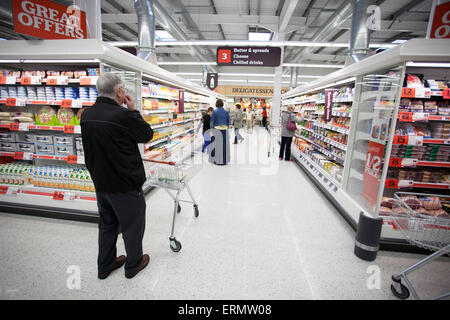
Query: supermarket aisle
{"type": "Point", "coordinates": [264, 232]}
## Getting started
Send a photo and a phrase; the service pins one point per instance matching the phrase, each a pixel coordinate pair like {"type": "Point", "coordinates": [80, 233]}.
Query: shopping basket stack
{"type": "Point", "coordinates": [424, 223]}
{"type": "Point", "coordinates": [173, 176]}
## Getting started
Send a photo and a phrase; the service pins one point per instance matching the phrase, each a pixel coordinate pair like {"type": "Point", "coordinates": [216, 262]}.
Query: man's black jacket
{"type": "Point", "coordinates": [110, 136]}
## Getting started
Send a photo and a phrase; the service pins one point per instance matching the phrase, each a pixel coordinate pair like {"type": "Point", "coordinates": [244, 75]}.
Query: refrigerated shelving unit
{"type": "Point", "coordinates": [19, 196]}
{"type": "Point", "coordinates": [378, 83]}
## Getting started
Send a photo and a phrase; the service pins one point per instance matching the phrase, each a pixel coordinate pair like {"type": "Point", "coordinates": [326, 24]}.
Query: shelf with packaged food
{"type": "Point", "coordinates": [397, 109]}
{"type": "Point", "coordinates": [325, 139]}
{"type": "Point", "coordinates": [29, 90]}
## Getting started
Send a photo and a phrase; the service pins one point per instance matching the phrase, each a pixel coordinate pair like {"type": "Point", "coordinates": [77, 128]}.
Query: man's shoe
{"type": "Point", "coordinates": [144, 263]}
{"type": "Point", "coordinates": [119, 262]}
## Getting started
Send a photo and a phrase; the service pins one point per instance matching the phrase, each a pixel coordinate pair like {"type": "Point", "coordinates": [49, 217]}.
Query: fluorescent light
{"type": "Point", "coordinates": [249, 43]}
{"type": "Point", "coordinates": [188, 73]}
{"type": "Point", "coordinates": [399, 41]}
{"type": "Point", "coordinates": [259, 36]}
{"type": "Point", "coordinates": [232, 80]}
{"type": "Point", "coordinates": [163, 35]}
{"type": "Point", "coordinates": [334, 66]}
{"type": "Point", "coordinates": [193, 63]}
{"type": "Point", "coordinates": [50, 61]}
{"type": "Point", "coordinates": [247, 74]}
{"type": "Point", "coordinates": [428, 64]}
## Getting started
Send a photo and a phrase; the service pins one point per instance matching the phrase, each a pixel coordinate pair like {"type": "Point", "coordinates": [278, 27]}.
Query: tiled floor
{"type": "Point", "coordinates": [264, 232]}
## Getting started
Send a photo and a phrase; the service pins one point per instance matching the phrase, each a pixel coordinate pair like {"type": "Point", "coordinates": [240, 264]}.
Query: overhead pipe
{"type": "Point", "coordinates": [146, 30]}
{"type": "Point", "coordinates": [336, 20]}
{"type": "Point", "coordinates": [171, 26]}
{"type": "Point", "coordinates": [293, 82]}
{"type": "Point", "coordinates": [359, 33]}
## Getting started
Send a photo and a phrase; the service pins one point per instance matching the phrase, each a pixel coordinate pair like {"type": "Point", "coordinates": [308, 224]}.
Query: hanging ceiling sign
{"type": "Point", "coordinates": [439, 22]}
{"type": "Point", "coordinates": [249, 56]}
{"type": "Point", "coordinates": [212, 80]}
{"type": "Point", "coordinates": [48, 20]}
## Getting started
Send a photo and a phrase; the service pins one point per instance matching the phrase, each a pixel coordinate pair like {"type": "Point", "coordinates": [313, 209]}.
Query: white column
{"type": "Point", "coordinates": [276, 100]}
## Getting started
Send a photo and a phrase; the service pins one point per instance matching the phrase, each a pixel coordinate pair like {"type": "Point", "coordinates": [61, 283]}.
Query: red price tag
{"type": "Point", "coordinates": [395, 162]}
{"type": "Point", "coordinates": [2, 79]}
{"type": "Point", "coordinates": [401, 140]}
{"type": "Point", "coordinates": [52, 81]}
{"type": "Point", "coordinates": [408, 92]}
{"type": "Point", "coordinates": [405, 116]}
{"type": "Point", "coordinates": [58, 195]}
{"type": "Point", "coordinates": [446, 94]}
{"type": "Point", "coordinates": [3, 189]}
{"type": "Point", "coordinates": [18, 155]}
{"type": "Point", "coordinates": [72, 159]}
{"type": "Point", "coordinates": [85, 81]}
{"type": "Point", "coordinates": [10, 102]}
{"type": "Point", "coordinates": [69, 129]}
{"type": "Point", "coordinates": [66, 103]}
{"type": "Point", "coordinates": [391, 183]}
{"type": "Point", "coordinates": [14, 126]}
{"type": "Point", "coordinates": [25, 80]}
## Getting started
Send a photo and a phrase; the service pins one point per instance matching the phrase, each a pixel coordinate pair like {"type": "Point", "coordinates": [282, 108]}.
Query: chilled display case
{"type": "Point", "coordinates": [44, 88]}
{"type": "Point", "coordinates": [395, 138]}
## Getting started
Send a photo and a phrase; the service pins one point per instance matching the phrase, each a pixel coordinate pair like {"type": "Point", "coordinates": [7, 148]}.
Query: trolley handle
{"type": "Point", "coordinates": [170, 163]}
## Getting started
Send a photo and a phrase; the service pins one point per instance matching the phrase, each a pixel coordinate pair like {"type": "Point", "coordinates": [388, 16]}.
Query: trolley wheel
{"type": "Point", "coordinates": [404, 294]}
{"type": "Point", "coordinates": [179, 208]}
{"type": "Point", "coordinates": [175, 245]}
{"type": "Point", "coordinates": [196, 212]}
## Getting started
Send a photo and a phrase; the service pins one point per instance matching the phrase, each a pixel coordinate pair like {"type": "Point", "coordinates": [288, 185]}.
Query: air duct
{"type": "Point", "coordinates": [359, 34]}
{"type": "Point", "coordinates": [341, 15]}
{"type": "Point", "coordinates": [170, 26]}
{"type": "Point", "coordinates": [293, 82]}
{"type": "Point", "coordinates": [146, 32]}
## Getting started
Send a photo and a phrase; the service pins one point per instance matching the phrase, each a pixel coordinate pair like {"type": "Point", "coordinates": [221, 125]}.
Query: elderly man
{"type": "Point", "coordinates": [111, 134]}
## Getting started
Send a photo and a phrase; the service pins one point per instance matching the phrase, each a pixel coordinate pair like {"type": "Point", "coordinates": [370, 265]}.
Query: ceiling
{"type": "Point", "coordinates": [299, 20]}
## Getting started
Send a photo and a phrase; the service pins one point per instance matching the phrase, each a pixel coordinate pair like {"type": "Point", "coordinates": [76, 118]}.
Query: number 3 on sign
{"type": "Point", "coordinates": [224, 56]}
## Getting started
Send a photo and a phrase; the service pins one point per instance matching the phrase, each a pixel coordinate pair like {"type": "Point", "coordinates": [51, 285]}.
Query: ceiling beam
{"type": "Point", "coordinates": [208, 18]}
{"type": "Point", "coordinates": [400, 26]}
{"type": "Point", "coordinates": [286, 14]}
{"type": "Point", "coordinates": [403, 10]}
{"type": "Point", "coordinates": [215, 12]}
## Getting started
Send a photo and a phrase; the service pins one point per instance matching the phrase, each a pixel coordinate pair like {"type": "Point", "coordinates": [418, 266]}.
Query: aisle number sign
{"type": "Point", "coordinates": [249, 56]}
{"type": "Point", "coordinates": [48, 20]}
{"type": "Point", "coordinates": [439, 22]}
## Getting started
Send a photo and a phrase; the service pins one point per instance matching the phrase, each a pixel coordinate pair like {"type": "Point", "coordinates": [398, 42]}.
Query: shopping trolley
{"type": "Point", "coordinates": [173, 176]}
{"type": "Point", "coordinates": [421, 230]}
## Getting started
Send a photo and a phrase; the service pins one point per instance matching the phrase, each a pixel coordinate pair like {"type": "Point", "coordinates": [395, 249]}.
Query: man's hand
{"type": "Point", "coordinates": [130, 102]}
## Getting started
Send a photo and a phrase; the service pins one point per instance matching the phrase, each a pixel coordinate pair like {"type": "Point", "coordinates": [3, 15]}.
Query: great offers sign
{"type": "Point", "coordinates": [249, 56]}
{"type": "Point", "coordinates": [48, 20]}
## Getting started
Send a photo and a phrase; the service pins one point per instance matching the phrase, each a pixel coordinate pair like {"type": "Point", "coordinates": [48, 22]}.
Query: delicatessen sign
{"type": "Point", "coordinates": [247, 91]}
{"type": "Point", "coordinates": [48, 20]}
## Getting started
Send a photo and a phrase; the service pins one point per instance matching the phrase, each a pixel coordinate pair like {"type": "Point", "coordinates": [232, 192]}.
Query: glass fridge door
{"type": "Point", "coordinates": [376, 104]}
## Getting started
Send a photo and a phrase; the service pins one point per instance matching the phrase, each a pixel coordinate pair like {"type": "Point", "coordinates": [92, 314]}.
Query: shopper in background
{"type": "Point", "coordinates": [111, 134]}
{"type": "Point", "coordinates": [264, 117]}
{"type": "Point", "coordinates": [287, 135]}
{"type": "Point", "coordinates": [250, 119]}
{"type": "Point", "coordinates": [220, 122]}
{"type": "Point", "coordinates": [237, 123]}
{"type": "Point", "coordinates": [206, 120]}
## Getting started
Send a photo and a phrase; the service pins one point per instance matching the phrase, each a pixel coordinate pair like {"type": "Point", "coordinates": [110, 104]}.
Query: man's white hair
{"type": "Point", "coordinates": [107, 85]}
